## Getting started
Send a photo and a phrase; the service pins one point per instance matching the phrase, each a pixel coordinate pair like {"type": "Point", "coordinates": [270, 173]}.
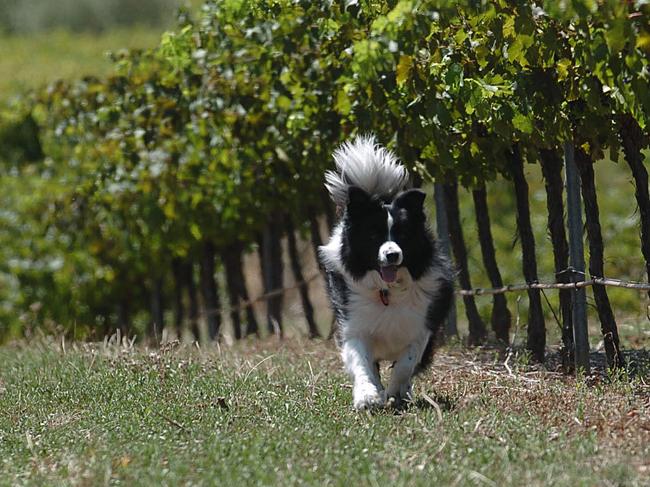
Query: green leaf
{"type": "Point", "coordinates": [509, 27]}
{"type": "Point", "coordinates": [460, 36]}
{"type": "Point", "coordinates": [403, 69]}
{"type": "Point", "coordinates": [518, 49]}
{"type": "Point", "coordinates": [562, 67]}
{"type": "Point", "coordinates": [617, 35]}
{"type": "Point", "coordinates": [283, 102]}
{"type": "Point", "coordinates": [454, 77]}
{"type": "Point", "coordinates": [195, 230]}
{"type": "Point", "coordinates": [343, 105]}
{"type": "Point", "coordinates": [643, 42]}
{"type": "Point", "coordinates": [430, 152]}
{"type": "Point", "coordinates": [482, 52]}
{"type": "Point", "coordinates": [522, 123]}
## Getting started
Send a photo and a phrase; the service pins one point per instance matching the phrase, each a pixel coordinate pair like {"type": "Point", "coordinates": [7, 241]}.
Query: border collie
{"type": "Point", "coordinates": [388, 284]}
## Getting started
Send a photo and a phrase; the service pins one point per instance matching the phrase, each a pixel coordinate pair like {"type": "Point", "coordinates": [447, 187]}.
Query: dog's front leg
{"type": "Point", "coordinates": [367, 389]}
{"type": "Point", "coordinates": [399, 388]}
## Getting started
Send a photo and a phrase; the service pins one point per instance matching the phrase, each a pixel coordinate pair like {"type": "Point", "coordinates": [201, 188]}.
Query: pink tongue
{"type": "Point", "coordinates": [388, 273]}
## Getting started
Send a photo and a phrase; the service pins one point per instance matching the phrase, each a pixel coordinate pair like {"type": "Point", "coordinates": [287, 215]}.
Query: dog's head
{"type": "Point", "coordinates": [385, 235]}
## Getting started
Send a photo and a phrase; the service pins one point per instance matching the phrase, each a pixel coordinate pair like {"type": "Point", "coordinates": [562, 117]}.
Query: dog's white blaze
{"type": "Point", "coordinates": [389, 246]}
{"type": "Point", "coordinates": [389, 223]}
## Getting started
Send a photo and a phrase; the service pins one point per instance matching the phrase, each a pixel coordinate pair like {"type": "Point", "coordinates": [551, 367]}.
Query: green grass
{"type": "Point", "coordinates": [282, 414]}
{"type": "Point", "coordinates": [31, 61]}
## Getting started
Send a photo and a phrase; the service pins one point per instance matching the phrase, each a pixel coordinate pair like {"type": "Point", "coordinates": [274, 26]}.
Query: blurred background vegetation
{"type": "Point", "coordinates": [34, 16]}
{"type": "Point", "coordinates": [43, 41]}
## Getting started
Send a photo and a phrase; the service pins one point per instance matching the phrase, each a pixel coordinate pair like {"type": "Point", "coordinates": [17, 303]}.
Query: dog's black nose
{"type": "Point", "coordinates": [392, 257]}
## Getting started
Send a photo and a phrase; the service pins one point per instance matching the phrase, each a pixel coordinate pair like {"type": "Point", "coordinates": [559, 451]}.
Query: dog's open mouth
{"type": "Point", "coordinates": [388, 273]}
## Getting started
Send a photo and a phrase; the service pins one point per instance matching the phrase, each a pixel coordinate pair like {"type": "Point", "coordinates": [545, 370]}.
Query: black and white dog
{"type": "Point", "coordinates": [389, 285]}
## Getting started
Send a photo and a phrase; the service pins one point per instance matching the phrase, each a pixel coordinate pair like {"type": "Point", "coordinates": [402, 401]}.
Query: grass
{"type": "Point", "coordinates": [271, 413]}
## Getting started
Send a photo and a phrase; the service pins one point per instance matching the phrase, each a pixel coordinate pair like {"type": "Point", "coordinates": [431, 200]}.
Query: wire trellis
{"type": "Point", "coordinates": [602, 281]}
{"type": "Point", "coordinates": [594, 281]}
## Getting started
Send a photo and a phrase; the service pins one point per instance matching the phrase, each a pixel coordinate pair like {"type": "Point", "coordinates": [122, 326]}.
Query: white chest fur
{"type": "Point", "coordinates": [386, 330]}
{"type": "Point", "coordinates": [389, 329]}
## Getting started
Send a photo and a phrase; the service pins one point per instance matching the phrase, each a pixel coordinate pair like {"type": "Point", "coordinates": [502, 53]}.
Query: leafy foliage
{"type": "Point", "coordinates": [232, 118]}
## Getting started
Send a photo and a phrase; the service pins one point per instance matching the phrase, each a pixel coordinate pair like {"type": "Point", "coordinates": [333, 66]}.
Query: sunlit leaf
{"type": "Point", "coordinates": [404, 69]}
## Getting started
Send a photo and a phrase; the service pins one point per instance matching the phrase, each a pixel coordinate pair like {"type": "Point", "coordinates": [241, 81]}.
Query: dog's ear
{"type": "Point", "coordinates": [358, 198]}
{"type": "Point", "coordinates": [411, 200]}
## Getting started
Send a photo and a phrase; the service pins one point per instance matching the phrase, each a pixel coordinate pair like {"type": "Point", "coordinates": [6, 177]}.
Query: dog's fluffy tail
{"type": "Point", "coordinates": [365, 164]}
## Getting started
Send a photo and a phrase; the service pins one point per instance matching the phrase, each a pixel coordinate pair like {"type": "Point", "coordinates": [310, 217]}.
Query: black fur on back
{"type": "Point", "coordinates": [339, 295]}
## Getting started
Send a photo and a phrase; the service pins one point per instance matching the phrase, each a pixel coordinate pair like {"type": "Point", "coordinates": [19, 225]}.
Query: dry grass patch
{"type": "Point", "coordinates": [614, 406]}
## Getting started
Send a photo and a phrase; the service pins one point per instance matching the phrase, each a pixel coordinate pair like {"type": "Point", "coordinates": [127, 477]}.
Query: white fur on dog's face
{"type": "Point", "coordinates": [389, 253]}
{"type": "Point", "coordinates": [390, 250]}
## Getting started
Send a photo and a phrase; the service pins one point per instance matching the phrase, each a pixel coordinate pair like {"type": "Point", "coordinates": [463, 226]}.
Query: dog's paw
{"type": "Point", "coordinates": [398, 403]}
{"type": "Point", "coordinates": [367, 396]}
{"type": "Point", "coordinates": [399, 397]}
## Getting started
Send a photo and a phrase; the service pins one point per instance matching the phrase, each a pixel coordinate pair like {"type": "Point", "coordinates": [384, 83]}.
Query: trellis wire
{"type": "Point", "coordinates": [579, 285]}
{"type": "Point", "coordinates": [603, 281]}
{"type": "Point", "coordinates": [642, 286]}
{"type": "Point", "coordinates": [266, 296]}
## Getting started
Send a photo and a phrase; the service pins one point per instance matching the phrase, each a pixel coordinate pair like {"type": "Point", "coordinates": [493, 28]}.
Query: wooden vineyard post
{"type": "Point", "coordinates": [442, 228]}
{"type": "Point", "coordinates": [576, 262]}
{"type": "Point", "coordinates": [536, 329]}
